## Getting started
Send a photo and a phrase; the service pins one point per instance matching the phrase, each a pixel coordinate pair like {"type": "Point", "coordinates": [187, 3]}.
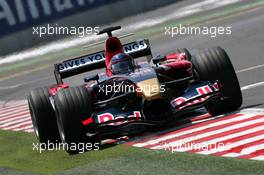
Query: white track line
{"type": "Point", "coordinates": [232, 155]}
{"type": "Point", "coordinates": [13, 112]}
{"type": "Point", "coordinates": [10, 87]}
{"type": "Point", "coordinates": [235, 144]}
{"type": "Point", "coordinates": [257, 147]}
{"type": "Point", "coordinates": [252, 86]}
{"type": "Point", "coordinates": [19, 102]}
{"type": "Point", "coordinates": [14, 122]}
{"type": "Point", "coordinates": [16, 126]}
{"type": "Point", "coordinates": [14, 118]}
{"type": "Point", "coordinates": [155, 141]}
{"type": "Point", "coordinates": [25, 83]}
{"type": "Point", "coordinates": [4, 111]}
{"type": "Point", "coordinates": [24, 128]}
{"type": "Point", "coordinates": [256, 111]}
{"type": "Point", "coordinates": [252, 149]}
{"type": "Point", "coordinates": [29, 130]}
{"type": "Point", "coordinates": [3, 119]}
{"type": "Point", "coordinates": [9, 107]}
{"type": "Point", "coordinates": [250, 68]}
{"type": "Point", "coordinates": [258, 158]}
{"type": "Point", "coordinates": [211, 133]}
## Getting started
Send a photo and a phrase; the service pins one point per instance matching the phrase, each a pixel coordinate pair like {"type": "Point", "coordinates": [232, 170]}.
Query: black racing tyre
{"type": "Point", "coordinates": [187, 53]}
{"type": "Point", "coordinates": [214, 64]}
{"type": "Point", "coordinates": [43, 116]}
{"type": "Point", "coordinates": [72, 106]}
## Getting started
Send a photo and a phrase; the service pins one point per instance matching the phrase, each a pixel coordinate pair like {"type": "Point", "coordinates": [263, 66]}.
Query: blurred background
{"type": "Point", "coordinates": [18, 17]}
{"type": "Point", "coordinates": [27, 60]}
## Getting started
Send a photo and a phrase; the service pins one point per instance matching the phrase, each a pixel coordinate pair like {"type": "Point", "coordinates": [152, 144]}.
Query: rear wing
{"type": "Point", "coordinates": [75, 66]}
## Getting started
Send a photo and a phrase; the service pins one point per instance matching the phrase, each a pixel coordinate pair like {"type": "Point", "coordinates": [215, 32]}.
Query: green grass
{"type": "Point", "coordinates": [146, 162]}
{"type": "Point", "coordinates": [17, 153]}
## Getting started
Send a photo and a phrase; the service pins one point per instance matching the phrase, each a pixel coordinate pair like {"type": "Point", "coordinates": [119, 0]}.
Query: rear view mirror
{"type": "Point", "coordinates": [158, 59]}
{"type": "Point", "coordinates": [91, 78]}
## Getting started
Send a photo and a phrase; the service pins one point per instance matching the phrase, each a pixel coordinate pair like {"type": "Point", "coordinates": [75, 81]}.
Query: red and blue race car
{"type": "Point", "coordinates": [131, 96]}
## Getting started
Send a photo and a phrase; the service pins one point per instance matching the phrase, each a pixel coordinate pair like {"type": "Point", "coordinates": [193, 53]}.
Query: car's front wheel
{"type": "Point", "coordinates": [73, 106]}
{"type": "Point", "coordinates": [214, 64]}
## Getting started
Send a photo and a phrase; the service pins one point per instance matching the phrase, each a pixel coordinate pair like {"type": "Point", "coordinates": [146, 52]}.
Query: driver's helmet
{"type": "Point", "coordinates": [122, 64]}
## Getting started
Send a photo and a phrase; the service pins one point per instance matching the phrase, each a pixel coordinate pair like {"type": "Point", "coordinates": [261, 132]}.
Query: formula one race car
{"type": "Point", "coordinates": [130, 96]}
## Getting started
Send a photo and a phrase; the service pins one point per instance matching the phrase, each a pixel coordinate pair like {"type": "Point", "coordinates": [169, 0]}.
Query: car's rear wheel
{"type": "Point", "coordinates": [43, 116]}
{"type": "Point", "coordinates": [73, 106]}
{"type": "Point", "coordinates": [214, 64]}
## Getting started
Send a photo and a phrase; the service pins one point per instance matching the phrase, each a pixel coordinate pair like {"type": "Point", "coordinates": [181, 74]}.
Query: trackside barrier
{"type": "Point", "coordinates": [17, 18]}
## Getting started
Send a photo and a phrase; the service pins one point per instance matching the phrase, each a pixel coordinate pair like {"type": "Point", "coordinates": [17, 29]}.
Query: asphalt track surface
{"type": "Point", "coordinates": [244, 46]}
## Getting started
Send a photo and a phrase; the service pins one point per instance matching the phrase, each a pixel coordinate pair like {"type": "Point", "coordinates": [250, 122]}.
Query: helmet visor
{"type": "Point", "coordinates": [122, 67]}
